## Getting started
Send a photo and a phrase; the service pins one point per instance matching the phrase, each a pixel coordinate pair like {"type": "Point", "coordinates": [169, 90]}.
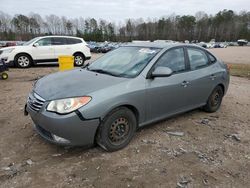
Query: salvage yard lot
{"type": "Point", "coordinates": [213, 150]}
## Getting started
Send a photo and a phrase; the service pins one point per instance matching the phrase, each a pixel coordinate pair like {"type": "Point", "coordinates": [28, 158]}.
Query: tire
{"type": "Point", "coordinates": [214, 100]}
{"type": "Point", "coordinates": [23, 61]}
{"type": "Point", "coordinates": [4, 76]}
{"type": "Point", "coordinates": [117, 129]}
{"type": "Point", "coordinates": [79, 59]}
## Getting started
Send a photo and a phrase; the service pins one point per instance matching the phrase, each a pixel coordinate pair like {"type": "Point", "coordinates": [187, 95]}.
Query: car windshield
{"type": "Point", "coordinates": [124, 61]}
{"type": "Point", "coordinates": [30, 41]}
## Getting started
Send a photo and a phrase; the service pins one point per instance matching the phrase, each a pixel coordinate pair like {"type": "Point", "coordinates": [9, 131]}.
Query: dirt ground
{"type": "Point", "coordinates": [212, 152]}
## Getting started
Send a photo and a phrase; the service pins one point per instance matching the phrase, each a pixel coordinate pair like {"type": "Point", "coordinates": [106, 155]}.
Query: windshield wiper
{"type": "Point", "coordinates": [85, 66]}
{"type": "Point", "coordinates": [103, 72]}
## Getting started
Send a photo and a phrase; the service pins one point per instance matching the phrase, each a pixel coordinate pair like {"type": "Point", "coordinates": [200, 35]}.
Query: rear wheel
{"type": "Point", "coordinates": [23, 61]}
{"type": "Point", "coordinates": [117, 129]}
{"type": "Point", "coordinates": [5, 76]}
{"type": "Point", "coordinates": [79, 59]}
{"type": "Point", "coordinates": [214, 100]}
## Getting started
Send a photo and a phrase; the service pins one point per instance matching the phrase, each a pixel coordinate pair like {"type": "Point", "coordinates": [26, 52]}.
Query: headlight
{"type": "Point", "coordinates": [64, 106]}
{"type": "Point", "coordinates": [8, 50]}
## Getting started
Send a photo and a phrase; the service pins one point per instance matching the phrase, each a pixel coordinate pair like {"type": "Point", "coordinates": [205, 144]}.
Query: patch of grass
{"type": "Point", "coordinates": [241, 70]}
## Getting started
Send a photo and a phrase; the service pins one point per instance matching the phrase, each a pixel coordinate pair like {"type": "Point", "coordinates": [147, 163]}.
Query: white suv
{"type": "Point", "coordinates": [45, 50]}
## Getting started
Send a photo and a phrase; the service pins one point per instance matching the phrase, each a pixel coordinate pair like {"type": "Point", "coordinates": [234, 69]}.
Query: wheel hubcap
{"type": "Point", "coordinates": [23, 61]}
{"type": "Point", "coordinates": [119, 130]}
{"type": "Point", "coordinates": [78, 60]}
{"type": "Point", "coordinates": [216, 99]}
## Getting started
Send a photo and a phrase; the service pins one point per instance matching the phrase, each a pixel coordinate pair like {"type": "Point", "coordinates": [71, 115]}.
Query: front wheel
{"type": "Point", "coordinates": [23, 61]}
{"type": "Point", "coordinates": [117, 129]}
{"type": "Point", "coordinates": [214, 100]}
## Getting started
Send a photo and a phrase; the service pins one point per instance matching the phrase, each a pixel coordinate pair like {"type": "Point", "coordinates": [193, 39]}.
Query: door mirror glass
{"type": "Point", "coordinates": [36, 44]}
{"type": "Point", "coordinates": [162, 72]}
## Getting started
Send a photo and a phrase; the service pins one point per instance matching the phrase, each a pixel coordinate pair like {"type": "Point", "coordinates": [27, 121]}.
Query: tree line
{"type": "Point", "coordinates": [226, 25]}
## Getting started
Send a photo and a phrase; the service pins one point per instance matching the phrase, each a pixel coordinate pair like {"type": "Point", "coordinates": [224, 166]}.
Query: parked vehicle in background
{"type": "Point", "coordinates": [46, 50]}
{"type": "Point", "coordinates": [7, 44]}
{"type": "Point", "coordinates": [130, 87]}
{"type": "Point", "coordinates": [202, 44]}
{"type": "Point", "coordinates": [242, 42]}
{"type": "Point", "coordinates": [102, 47]}
{"type": "Point", "coordinates": [220, 45]}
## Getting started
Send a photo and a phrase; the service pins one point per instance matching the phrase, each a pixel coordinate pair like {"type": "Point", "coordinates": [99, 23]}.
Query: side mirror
{"type": "Point", "coordinates": [161, 72]}
{"type": "Point", "coordinates": [35, 44]}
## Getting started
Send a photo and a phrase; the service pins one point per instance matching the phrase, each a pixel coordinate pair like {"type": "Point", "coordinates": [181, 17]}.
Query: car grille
{"type": "Point", "coordinates": [35, 102]}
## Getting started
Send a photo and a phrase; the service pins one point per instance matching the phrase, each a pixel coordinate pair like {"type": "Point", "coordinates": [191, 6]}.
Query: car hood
{"type": "Point", "coordinates": [74, 83]}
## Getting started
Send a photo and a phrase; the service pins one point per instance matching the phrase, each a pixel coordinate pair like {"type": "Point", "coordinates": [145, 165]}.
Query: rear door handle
{"type": "Point", "coordinates": [212, 77]}
{"type": "Point", "coordinates": [185, 83]}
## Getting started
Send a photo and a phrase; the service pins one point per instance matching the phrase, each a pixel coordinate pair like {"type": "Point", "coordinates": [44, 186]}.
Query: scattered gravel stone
{"type": "Point", "coordinates": [233, 136]}
{"type": "Point", "coordinates": [175, 133]}
{"type": "Point", "coordinates": [205, 181]}
{"type": "Point", "coordinates": [148, 141]}
{"type": "Point", "coordinates": [29, 162]}
{"type": "Point", "coordinates": [56, 155]}
{"type": "Point", "coordinates": [11, 170]}
{"type": "Point", "coordinates": [205, 121]}
{"type": "Point", "coordinates": [183, 183]}
{"type": "Point", "coordinates": [203, 157]}
{"type": "Point", "coordinates": [6, 168]}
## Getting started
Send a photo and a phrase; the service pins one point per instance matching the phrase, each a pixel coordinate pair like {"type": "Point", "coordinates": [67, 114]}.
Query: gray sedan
{"type": "Point", "coordinates": [133, 86]}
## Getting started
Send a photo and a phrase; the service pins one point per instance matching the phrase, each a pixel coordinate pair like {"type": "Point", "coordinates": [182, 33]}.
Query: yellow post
{"type": "Point", "coordinates": [66, 62]}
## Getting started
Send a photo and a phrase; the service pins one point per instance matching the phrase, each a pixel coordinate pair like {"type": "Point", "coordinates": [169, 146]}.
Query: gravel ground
{"type": "Point", "coordinates": [211, 151]}
{"type": "Point", "coordinates": [233, 54]}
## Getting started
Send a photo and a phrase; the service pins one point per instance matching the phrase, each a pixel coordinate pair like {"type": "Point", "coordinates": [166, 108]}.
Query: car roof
{"type": "Point", "coordinates": [60, 36]}
{"type": "Point", "coordinates": [157, 44]}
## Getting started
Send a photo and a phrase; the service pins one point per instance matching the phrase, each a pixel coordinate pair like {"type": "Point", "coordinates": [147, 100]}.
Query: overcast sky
{"type": "Point", "coordinates": [118, 10]}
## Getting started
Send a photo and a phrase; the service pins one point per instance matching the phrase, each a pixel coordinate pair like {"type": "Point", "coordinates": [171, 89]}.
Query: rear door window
{"type": "Point", "coordinates": [59, 41]}
{"type": "Point", "coordinates": [73, 41]}
{"type": "Point", "coordinates": [197, 58]}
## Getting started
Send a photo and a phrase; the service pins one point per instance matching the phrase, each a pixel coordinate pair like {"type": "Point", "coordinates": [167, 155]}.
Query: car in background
{"type": "Point", "coordinates": [202, 44]}
{"type": "Point", "coordinates": [46, 49]}
{"type": "Point", "coordinates": [7, 44]}
{"type": "Point", "coordinates": [242, 42]}
{"type": "Point", "coordinates": [127, 88]}
{"type": "Point", "coordinates": [102, 47]}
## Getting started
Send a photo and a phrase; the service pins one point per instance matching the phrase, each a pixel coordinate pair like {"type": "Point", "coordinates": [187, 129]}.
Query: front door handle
{"type": "Point", "coordinates": [212, 77]}
{"type": "Point", "coordinates": [185, 83]}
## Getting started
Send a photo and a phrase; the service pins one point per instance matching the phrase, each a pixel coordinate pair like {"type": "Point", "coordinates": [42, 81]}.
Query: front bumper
{"type": "Point", "coordinates": [73, 130]}
{"type": "Point", "coordinates": [8, 59]}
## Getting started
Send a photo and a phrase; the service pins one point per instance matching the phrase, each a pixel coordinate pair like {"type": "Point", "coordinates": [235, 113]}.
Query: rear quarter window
{"type": "Point", "coordinates": [211, 58]}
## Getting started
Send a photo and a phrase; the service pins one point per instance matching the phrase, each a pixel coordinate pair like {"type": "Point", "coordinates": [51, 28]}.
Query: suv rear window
{"type": "Point", "coordinates": [73, 41]}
